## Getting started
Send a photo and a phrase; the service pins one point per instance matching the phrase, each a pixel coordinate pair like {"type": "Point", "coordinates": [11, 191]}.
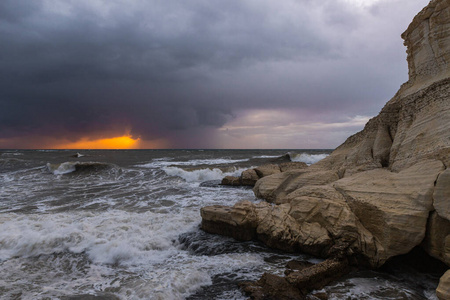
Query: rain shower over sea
{"type": "Point", "coordinates": [124, 224]}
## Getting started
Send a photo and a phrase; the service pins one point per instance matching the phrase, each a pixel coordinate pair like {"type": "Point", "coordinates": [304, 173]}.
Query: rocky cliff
{"type": "Point", "coordinates": [385, 190]}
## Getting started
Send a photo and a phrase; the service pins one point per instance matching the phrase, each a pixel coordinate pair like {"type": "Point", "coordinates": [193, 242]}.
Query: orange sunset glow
{"type": "Point", "coordinates": [122, 142]}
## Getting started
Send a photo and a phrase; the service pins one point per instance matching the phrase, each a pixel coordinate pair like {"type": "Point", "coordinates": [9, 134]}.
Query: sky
{"type": "Point", "coordinates": [290, 74]}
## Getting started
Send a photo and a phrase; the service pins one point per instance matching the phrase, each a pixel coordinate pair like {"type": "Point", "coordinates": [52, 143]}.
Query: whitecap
{"type": "Point", "coordinates": [202, 174]}
{"type": "Point", "coordinates": [63, 168]}
{"type": "Point", "coordinates": [309, 159]}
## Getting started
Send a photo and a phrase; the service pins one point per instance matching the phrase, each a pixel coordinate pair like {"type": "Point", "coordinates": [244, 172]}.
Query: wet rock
{"type": "Point", "coordinates": [296, 265]}
{"type": "Point", "coordinates": [271, 287]}
{"type": "Point", "coordinates": [231, 180]}
{"type": "Point", "coordinates": [317, 296]}
{"type": "Point", "coordinates": [319, 275]}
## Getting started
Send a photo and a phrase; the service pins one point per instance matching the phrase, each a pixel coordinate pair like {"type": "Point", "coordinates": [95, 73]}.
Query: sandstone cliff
{"type": "Point", "coordinates": [386, 189]}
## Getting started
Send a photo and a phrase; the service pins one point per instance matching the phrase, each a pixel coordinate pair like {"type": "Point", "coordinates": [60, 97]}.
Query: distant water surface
{"type": "Point", "coordinates": [126, 223]}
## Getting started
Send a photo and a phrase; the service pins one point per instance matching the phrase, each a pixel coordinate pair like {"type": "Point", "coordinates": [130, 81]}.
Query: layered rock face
{"type": "Point", "coordinates": [385, 190]}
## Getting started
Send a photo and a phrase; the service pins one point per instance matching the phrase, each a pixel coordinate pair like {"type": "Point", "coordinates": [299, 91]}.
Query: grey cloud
{"type": "Point", "coordinates": [159, 67]}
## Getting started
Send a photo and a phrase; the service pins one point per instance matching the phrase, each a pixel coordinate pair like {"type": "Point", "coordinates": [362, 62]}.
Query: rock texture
{"type": "Point", "coordinates": [443, 290]}
{"type": "Point", "coordinates": [386, 189]}
{"type": "Point", "coordinates": [251, 176]}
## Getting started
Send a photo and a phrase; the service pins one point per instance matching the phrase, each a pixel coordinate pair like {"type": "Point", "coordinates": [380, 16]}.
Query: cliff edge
{"type": "Point", "coordinates": [385, 190]}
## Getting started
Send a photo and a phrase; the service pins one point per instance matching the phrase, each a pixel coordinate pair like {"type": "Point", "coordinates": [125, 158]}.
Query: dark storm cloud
{"type": "Point", "coordinates": [75, 68]}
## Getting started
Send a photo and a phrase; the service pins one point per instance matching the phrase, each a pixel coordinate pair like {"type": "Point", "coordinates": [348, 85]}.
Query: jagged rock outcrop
{"type": "Point", "coordinates": [251, 176]}
{"type": "Point", "coordinates": [387, 188]}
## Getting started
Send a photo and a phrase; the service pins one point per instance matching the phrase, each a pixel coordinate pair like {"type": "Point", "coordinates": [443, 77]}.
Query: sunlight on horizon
{"type": "Point", "coordinates": [122, 142]}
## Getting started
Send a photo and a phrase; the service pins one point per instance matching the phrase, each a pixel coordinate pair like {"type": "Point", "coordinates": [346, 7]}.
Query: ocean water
{"type": "Point", "coordinates": [125, 224]}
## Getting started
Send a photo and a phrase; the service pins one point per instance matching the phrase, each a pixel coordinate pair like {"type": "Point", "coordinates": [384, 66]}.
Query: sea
{"type": "Point", "coordinates": [125, 224]}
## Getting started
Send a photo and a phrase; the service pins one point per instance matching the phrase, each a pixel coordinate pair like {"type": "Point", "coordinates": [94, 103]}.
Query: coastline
{"type": "Point", "coordinates": [379, 195]}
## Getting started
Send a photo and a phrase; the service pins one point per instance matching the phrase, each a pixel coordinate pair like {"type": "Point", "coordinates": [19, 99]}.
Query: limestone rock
{"type": "Point", "coordinates": [437, 239]}
{"type": "Point", "coordinates": [276, 187]}
{"type": "Point", "coordinates": [443, 290]}
{"type": "Point", "coordinates": [238, 222]}
{"type": "Point", "coordinates": [428, 44]}
{"type": "Point", "coordinates": [231, 180]}
{"type": "Point", "coordinates": [441, 195]}
{"type": "Point", "coordinates": [394, 207]}
{"type": "Point", "coordinates": [293, 165]}
{"type": "Point", "coordinates": [249, 177]}
{"type": "Point", "coordinates": [267, 170]}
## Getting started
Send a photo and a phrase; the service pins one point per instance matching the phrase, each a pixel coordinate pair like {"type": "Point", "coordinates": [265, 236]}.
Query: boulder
{"type": "Point", "coordinates": [238, 222]}
{"type": "Point", "coordinates": [443, 289]}
{"type": "Point", "coordinates": [393, 207]}
{"type": "Point", "coordinates": [267, 170]}
{"type": "Point", "coordinates": [437, 238]}
{"type": "Point", "coordinates": [271, 286]}
{"type": "Point", "coordinates": [231, 180]}
{"type": "Point", "coordinates": [249, 177]}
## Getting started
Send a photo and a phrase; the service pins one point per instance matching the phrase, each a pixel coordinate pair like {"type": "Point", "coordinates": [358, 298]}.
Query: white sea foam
{"type": "Point", "coordinates": [266, 156]}
{"type": "Point", "coordinates": [140, 243]}
{"type": "Point", "coordinates": [307, 158]}
{"type": "Point", "coordinates": [195, 162]}
{"type": "Point", "coordinates": [63, 168]}
{"type": "Point", "coordinates": [11, 154]}
{"type": "Point", "coordinates": [201, 175]}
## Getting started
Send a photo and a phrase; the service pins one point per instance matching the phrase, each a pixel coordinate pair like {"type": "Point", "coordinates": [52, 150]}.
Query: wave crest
{"type": "Point", "coordinates": [85, 167]}
{"type": "Point", "coordinates": [200, 175]}
{"type": "Point", "coordinates": [309, 159]}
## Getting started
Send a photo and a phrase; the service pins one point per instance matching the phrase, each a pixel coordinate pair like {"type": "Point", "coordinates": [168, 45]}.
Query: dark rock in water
{"type": "Point", "coordinates": [225, 282]}
{"type": "Point", "coordinates": [202, 243]}
{"type": "Point", "coordinates": [319, 275]}
{"type": "Point", "coordinates": [296, 265]}
{"type": "Point", "coordinates": [218, 184]}
{"type": "Point", "coordinates": [99, 296]}
{"type": "Point", "coordinates": [317, 296]}
{"type": "Point", "coordinates": [210, 183]}
{"type": "Point", "coordinates": [271, 287]}
{"type": "Point", "coordinates": [298, 283]}
{"type": "Point", "coordinates": [231, 180]}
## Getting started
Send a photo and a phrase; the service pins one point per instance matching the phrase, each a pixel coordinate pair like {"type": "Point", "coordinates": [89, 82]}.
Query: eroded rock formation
{"type": "Point", "coordinates": [251, 176]}
{"type": "Point", "coordinates": [381, 193]}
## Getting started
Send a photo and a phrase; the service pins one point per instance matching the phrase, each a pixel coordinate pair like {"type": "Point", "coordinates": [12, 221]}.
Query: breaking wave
{"type": "Point", "coordinates": [85, 167]}
{"type": "Point", "coordinates": [202, 174]}
{"type": "Point", "coordinates": [309, 159]}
